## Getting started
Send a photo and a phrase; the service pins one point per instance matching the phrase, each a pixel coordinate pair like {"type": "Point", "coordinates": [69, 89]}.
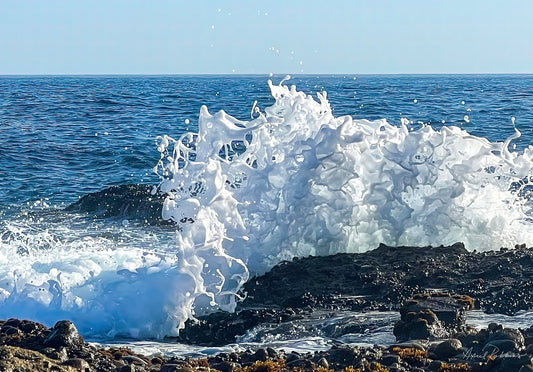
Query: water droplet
{"type": "Point", "coordinates": [415, 100]}
{"type": "Point", "coordinates": [467, 119]}
{"type": "Point", "coordinates": [187, 121]}
{"type": "Point", "coordinates": [513, 119]}
{"type": "Point", "coordinates": [462, 102]}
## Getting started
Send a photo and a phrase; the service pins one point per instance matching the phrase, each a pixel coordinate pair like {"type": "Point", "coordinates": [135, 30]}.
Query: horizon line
{"type": "Point", "coordinates": [262, 74]}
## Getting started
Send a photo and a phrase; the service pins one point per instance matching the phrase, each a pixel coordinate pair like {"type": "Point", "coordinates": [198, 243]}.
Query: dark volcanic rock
{"type": "Point", "coordinates": [432, 316]}
{"type": "Point", "coordinates": [64, 334]}
{"type": "Point", "coordinates": [499, 281]}
{"type": "Point", "coordinates": [391, 274]}
{"type": "Point", "coordinates": [34, 347]}
{"type": "Point", "coordinates": [134, 202]}
{"type": "Point", "coordinates": [448, 348]}
{"type": "Point", "coordinates": [382, 279]}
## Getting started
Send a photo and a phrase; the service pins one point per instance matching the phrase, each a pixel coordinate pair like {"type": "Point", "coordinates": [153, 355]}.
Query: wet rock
{"type": "Point", "coordinates": [421, 316]}
{"type": "Point", "coordinates": [435, 365]}
{"type": "Point", "coordinates": [226, 366]}
{"type": "Point", "coordinates": [132, 359]}
{"type": "Point", "coordinates": [156, 360]}
{"type": "Point", "coordinates": [528, 335]}
{"type": "Point", "coordinates": [134, 202]}
{"type": "Point", "coordinates": [390, 359]}
{"type": "Point", "coordinates": [496, 347]}
{"type": "Point", "coordinates": [64, 334]}
{"type": "Point", "coordinates": [58, 354]}
{"type": "Point", "coordinates": [341, 356]}
{"type": "Point", "coordinates": [10, 330]}
{"type": "Point", "coordinates": [13, 322]}
{"type": "Point", "coordinates": [381, 279]}
{"type": "Point", "coordinates": [420, 325]}
{"type": "Point", "coordinates": [508, 334]}
{"type": "Point", "coordinates": [292, 357]}
{"type": "Point", "coordinates": [323, 362]}
{"type": "Point", "coordinates": [272, 353]}
{"type": "Point", "coordinates": [302, 363]}
{"type": "Point", "coordinates": [514, 363]}
{"type": "Point", "coordinates": [78, 363]}
{"type": "Point", "coordinates": [261, 355]}
{"type": "Point", "coordinates": [448, 348]}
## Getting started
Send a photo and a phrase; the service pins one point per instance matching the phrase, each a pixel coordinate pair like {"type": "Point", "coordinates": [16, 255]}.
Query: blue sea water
{"type": "Point", "coordinates": [62, 137]}
{"type": "Point", "coordinates": [65, 136]}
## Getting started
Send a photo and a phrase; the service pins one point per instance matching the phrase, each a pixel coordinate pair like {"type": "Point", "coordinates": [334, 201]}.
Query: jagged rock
{"type": "Point", "coordinates": [64, 334]}
{"type": "Point", "coordinates": [134, 202]}
{"type": "Point", "coordinates": [431, 316]}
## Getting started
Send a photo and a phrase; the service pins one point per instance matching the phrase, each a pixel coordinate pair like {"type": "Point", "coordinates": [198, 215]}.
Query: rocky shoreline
{"type": "Point", "coordinates": [431, 288]}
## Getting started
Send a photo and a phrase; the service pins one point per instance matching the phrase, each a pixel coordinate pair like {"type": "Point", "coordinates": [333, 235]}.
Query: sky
{"type": "Point", "coordinates": [274, 36]}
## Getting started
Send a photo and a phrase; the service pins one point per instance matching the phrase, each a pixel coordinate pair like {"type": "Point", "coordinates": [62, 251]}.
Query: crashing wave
{"type": "Point", "coordinates": [293, 181]}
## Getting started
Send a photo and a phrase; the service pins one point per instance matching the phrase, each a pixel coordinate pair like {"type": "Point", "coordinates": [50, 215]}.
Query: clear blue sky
{"type": "Point", "coordinates": [278, 36]}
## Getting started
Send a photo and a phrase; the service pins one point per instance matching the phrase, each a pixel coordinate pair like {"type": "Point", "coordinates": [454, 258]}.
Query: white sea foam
{"type": "Point", "coordinates": [297, 181]}
{"type": "Point", "coordinates": [294, 181]}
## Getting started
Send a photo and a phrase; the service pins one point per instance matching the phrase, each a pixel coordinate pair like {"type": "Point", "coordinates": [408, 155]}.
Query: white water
{"type": "Point", "coordinates": [294, 181]}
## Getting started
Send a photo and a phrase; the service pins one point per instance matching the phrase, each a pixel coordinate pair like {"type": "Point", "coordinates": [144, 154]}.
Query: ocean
{"type": "Point", "coordinates": [254, 173]}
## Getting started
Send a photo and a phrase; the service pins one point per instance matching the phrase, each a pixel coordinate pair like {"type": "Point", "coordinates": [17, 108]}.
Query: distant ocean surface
{"type": "Point", "coordinates": [62, 137]}
{"type": "Point", "coordinates": [287, 176]}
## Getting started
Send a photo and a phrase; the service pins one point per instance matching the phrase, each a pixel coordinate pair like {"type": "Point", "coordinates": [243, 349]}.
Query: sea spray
{"type": "Point", "coordinates": [293, 181]}
{"type": "Point", "coordinates": [303, 182]}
